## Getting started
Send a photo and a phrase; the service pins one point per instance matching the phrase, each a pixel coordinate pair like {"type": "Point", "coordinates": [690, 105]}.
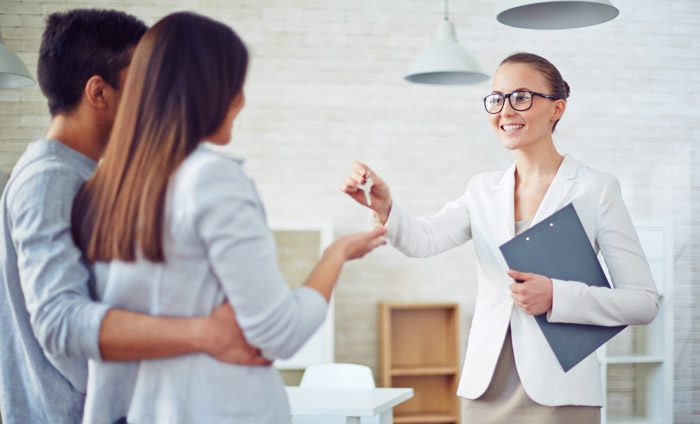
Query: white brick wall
{"type": "Point", "coordinates": [325, 87]}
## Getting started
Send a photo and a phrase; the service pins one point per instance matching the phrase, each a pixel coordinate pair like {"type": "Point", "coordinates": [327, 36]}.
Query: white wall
{"type": "Point", "coordinates": [325, 87]}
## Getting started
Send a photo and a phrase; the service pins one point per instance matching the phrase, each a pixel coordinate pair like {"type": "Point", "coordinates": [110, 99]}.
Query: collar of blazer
{"type": "Point", "coordinates": [554, 199]}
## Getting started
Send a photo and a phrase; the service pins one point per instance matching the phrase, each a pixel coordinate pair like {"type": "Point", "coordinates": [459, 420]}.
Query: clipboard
{"type": "Point", "coordinates": [558, 248]}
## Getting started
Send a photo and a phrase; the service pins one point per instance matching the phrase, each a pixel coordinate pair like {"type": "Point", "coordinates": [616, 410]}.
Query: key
{"type": "Point", "coordinates": [367, 188]}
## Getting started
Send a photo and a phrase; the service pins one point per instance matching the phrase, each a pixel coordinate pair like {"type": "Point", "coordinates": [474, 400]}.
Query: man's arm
{"type": "Point", "coordinates": [129, 336]}
{"type": "Point", "coordinates": [66, 321]}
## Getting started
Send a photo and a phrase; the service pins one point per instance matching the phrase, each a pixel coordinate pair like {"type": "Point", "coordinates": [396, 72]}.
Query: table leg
{"type": "Point", "coordinates": [352, 420]}
{"type": "Point", "coordinates": [387, 417]}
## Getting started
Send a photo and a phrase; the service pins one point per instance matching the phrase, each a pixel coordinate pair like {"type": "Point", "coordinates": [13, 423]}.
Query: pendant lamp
{"type": "Point", "coordinates": [446, 61]}
{"type": "Point", "coordinates": [13, 73]}
{"type": "Point", "coordinates": [555, 14]}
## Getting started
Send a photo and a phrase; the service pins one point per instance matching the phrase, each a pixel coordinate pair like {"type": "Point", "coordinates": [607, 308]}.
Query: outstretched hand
{"type": "Point", "coordinates": [325, 274]}
{"type": "Point", "coordinates": [533, 294]}
{"type": "Point", "coordinates": [355, 246]}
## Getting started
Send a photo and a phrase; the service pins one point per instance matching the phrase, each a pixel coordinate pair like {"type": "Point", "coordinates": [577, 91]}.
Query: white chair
{"type": "Point", "coordinates": [335, 375]}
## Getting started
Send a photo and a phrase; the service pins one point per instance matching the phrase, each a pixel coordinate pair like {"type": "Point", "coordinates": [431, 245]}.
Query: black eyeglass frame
{"type": "Point", "coordinates": [507, 96]}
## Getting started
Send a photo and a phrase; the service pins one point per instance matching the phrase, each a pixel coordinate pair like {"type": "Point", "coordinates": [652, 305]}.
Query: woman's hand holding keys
{"type": "Point", "coordinates": [368, 189]}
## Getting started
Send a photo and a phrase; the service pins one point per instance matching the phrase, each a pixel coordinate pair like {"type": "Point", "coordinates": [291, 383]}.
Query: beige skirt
{"type": "Point", "coordinates": [505, 400]}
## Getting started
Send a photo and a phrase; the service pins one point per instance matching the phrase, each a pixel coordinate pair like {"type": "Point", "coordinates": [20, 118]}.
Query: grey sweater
{"type": "Point", "coordinates": [48, 323]}
{"type": "Point", "coordinates": [217, 245]}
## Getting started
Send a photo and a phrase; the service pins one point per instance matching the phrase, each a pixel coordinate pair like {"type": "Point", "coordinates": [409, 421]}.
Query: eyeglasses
{"type": "Point", "coordinates": [519, 100]}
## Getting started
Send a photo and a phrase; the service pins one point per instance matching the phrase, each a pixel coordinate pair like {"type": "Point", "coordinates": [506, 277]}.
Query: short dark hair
{"type": "Point", "coordinates": [79, 44]}
{"type": "Point", "coordinates": [559, 88]}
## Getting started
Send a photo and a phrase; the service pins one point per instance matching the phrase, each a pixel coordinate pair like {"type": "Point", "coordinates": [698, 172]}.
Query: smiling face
{"type": "Point", "coordinates": [518, 130]}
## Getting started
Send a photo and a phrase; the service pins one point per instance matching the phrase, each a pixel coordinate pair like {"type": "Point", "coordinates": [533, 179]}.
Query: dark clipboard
{"type": "Point", "coordinates": [558, 248]}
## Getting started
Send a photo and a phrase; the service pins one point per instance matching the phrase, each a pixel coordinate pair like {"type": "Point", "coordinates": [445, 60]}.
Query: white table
{"type": "Point", "coordinates": [350, 403]}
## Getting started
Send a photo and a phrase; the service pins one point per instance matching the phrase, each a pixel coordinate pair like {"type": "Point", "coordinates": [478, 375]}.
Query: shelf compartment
{"type": "Point", "coordinates": [637, 340]}
{"type": "Point", "coordinates": [423, 337]}
{"type": "Point", "coordinates": [429, 395]}
{"type": "Point", "coordinates": [633, 393]}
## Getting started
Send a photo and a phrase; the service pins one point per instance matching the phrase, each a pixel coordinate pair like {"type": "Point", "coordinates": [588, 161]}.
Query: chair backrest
{"type": "Point", "coordinates": [337, 375]}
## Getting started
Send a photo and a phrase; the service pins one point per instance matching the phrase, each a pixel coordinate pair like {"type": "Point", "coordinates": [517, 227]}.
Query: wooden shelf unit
{"type": "Point", "coordinates": [419, 348]}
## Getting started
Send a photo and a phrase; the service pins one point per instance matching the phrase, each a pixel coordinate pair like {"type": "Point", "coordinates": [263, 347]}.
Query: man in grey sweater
{"type": "Point", "coordinates": [49, 324]}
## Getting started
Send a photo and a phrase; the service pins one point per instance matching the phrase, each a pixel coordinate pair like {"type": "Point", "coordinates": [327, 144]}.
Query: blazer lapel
{"type": "Point", "coordinates": [505, 191]}
{"type": "Point", "coordinates": [557, 195]}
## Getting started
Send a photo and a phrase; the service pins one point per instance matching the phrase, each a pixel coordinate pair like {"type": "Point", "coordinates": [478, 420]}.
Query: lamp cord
{"type": "Point", "coordinates": [446, 17]}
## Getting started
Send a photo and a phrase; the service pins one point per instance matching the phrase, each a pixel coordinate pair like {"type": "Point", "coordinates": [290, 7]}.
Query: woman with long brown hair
{"type": "Point", "coordinates": [176, 228]}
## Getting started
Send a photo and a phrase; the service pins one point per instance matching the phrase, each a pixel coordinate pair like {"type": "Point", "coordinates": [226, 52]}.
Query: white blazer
{"type": "Point", "coordinates": [485, 214]}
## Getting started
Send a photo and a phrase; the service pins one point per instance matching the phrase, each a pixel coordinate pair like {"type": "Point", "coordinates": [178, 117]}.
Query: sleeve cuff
{"type": "Point", "coordinates": [310, 311]}
{"type": "Point", "coordinates": [374, 220]}
{"type": "Point", "coordinates": [560, 301]}
{"type": "Point", "coordinates": [390, 220]}
{"type": "Point", "coordinates": [315, 301]}
{"type": "Point", "coordinates": [90, 331]}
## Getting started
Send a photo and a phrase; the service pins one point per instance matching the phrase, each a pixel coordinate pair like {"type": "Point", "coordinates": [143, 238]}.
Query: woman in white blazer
{"type": "Point", "coordinates": [510, 373]}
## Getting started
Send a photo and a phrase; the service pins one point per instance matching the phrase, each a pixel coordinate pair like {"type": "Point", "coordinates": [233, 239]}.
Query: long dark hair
{"type": "Point", "coordinates": [184, 75]}
{"type": "Point", "coordinates": [559, 88]}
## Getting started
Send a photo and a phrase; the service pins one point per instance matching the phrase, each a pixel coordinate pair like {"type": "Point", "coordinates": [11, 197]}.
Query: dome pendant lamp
{"type": "Point", "coordinates": [446, 62]}
{"type": "Point", "coordinates": [13, 73]}
{"type": "Point", "coordinates": [555, 14]}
